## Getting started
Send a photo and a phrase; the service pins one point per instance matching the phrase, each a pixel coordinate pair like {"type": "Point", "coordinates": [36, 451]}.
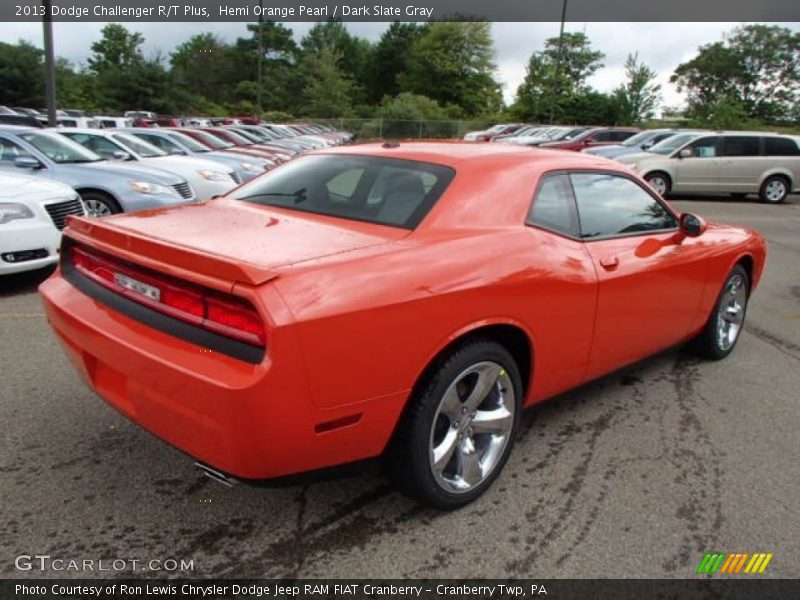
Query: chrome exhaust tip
{"type": "Point", "coordinates": [217, 476]}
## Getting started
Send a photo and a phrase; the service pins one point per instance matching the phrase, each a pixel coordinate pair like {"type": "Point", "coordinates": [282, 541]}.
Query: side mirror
{"type": "Point", "coordinates": [692, 225]}
{"type": "Point", "coordinates": [646, 145]}
{"type": "Point", "coordinates": [120, 155]}
{"type": "Point", "coordinates": [685, 153]}
{"type": "Point", "coordinates": [27, 162]}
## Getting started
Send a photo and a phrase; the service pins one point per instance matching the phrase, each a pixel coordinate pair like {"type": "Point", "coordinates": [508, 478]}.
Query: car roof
{"type": "Point", "coordinates": [459, 154]}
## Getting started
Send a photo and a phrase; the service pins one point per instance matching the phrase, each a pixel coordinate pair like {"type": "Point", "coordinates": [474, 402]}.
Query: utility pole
{"type": "Point", "coordinates": [558, 61]}
{"type": "Point", "coordinates": [49, 65]}
{"type": "Point", "coordinates": [260, 56]}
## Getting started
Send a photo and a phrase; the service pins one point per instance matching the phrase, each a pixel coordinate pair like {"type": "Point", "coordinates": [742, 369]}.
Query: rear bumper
{"type": "Point", "coordinates": [254, 421]}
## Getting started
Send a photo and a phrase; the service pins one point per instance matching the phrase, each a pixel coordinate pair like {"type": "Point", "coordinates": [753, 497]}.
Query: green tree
{"type": "Point", "coordinates": [756, 67]}
{"type": "Point", "coordinates": [354, 54]}
{"type": "Point", "coordinates": [328, 90]}
{"type": "Point", "coordinates": [21, 74]}
{"type": "Point", "coordinates": [204, 71]}
{"type": "Point", "coordinates": [555, 76]}
{"type": "Point", "coordinates": [638, 97]}
{"type": "Point", "coordinates": [452, 62]}
{"type": "Point", "coordinates": [123, 78]}
{"type": "Point", "coordinates": [390, 59]}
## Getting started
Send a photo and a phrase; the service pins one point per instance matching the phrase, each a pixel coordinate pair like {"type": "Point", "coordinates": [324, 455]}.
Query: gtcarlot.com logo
{"type": "Point", "coordinates": [45, 562]}
{"type": "Point", "coordinates": [734, 563]}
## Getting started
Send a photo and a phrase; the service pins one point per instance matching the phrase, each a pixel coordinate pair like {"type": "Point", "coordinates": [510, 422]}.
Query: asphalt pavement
{"type": "Point", "coordinates": [636, 475]}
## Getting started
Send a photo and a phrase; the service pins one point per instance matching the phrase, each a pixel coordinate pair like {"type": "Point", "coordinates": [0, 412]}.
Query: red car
{"type": "Point", "coordinates": [592, 138]}
{"type": "Point", "coordinates": [404, 300]}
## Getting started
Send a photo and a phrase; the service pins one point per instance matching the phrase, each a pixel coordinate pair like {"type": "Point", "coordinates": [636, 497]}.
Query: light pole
{"type": "Point", "coordinates": [49, 64]}
{"type": "Point", "coordinates": [260, 56]}
{"type": "Point", "coordinates": [558, 60]}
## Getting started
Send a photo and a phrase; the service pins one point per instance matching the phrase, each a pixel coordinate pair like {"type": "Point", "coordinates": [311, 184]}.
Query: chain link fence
{"type": "Point", "coordinates": [383, 129]}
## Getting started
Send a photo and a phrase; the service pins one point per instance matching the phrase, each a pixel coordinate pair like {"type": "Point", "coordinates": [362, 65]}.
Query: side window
{"type": "Point", "coordinates": [611, 205]}
{"type": "Point", "coordinates": [775, 146]}
{"type": "Point", "coordinates": [740, 145]}
{"type": "Point", "coordinates": [9, 151]}
{"type": "Point", "coordinates": [553, 206]}
{"type": "Point", "coordinates": [603, 136]}
{"type": "Point", "coordinates": [704, 147]}
{"type": "Point", "coordinates": [621, 136]}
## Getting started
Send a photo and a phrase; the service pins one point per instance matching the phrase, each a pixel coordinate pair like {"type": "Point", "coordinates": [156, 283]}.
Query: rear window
{"type": "Point", "coordinates": [386, 191]}
{"type": "Point", "coordinates": [775, 146]}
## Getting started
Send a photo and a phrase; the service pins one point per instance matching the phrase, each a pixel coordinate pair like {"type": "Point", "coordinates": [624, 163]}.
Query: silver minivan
{"type": "Point", "coordinates": [736, 163]}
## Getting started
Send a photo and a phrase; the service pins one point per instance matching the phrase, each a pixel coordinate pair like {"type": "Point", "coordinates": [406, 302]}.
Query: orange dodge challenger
{"type": "Point", "coordinates": [405, 300]}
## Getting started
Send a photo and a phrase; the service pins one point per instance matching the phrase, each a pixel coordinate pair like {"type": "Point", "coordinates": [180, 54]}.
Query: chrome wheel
{"type": "Point", "coordinates": [659, 184]}
{"type": "Point", "coordinates": [472, 427]}
{"type": "Point", "coordinates": [775, 190]}
{"type": "Point", "coordinates": [96, 208]}
{"type": "Point", "coordinates": [730, 314]}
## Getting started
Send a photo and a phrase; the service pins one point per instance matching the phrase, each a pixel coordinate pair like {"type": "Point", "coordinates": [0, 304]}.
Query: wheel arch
{"type": "Point", "coordinates": [82, 189]}
{"type": "Point", "coordinates": [510, 334]}
{"type": "Point", "coordinates": [778, 172]}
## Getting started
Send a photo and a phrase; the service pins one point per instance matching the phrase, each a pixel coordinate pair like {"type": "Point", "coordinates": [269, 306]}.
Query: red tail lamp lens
{"type": "Point", "coordinates": [229, 316]}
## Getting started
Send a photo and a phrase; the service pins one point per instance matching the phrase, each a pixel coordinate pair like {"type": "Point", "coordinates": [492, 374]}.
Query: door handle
{"type": "Point", "coordinates": [609, 262]}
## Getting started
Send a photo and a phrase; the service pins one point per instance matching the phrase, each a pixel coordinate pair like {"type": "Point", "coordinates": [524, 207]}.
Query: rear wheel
{"type": "Point", "coordinates": [721, 333]}
{"type": "Point", "coordinates": [459, 429]}
{"type": "Point", "coordinates": [774, 190]}
{"type": "Point", "coordinates": [660, 182]}
{"type": "Point", "coordinates": [99, 204]}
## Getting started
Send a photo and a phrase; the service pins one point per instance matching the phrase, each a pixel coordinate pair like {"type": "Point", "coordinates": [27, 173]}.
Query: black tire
{"type": "Point", "coordinates": [409, 456]}
{"type": "Point", "coordinates": [774, 189]}
{"type": "Point", "coordinates": [660, 182]}
{"type": "Point", "coordinates": [99, 201]}
{"type": "Point", "coordinates": [708, 343]}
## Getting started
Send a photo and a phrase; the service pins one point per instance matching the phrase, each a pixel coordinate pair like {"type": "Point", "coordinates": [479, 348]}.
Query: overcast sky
{"type": "Point", "coordinates": [661, 45]}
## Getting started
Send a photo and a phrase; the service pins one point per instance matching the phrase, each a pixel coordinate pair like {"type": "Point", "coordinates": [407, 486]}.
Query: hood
{"type": "Point", "coordinates": [19, 188]}
{"type": "Point", "coordinates": [250, 241]}
{"type": "Point", "coordinates": [605, 150]}
{"type": "Point", "coordinates": [629, 159]}
{"type": "Point", "coordinates": [181, 164]}
{"type": "Point", "coordinates": [137, 171]}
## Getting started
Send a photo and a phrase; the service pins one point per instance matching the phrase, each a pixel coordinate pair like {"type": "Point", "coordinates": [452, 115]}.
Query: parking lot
{"type": "Point", "coordinates": [635, 475]}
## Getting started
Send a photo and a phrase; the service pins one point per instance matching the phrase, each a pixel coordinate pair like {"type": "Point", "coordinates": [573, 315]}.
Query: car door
{"type": "Point", "coordinates": [562, 296]}
{"type": "Point", "coordinates": [699, 170]}
{"type": "Point", "coordinates": [650, 276]}
{"type": "Point", "coordinates": [741, 163]}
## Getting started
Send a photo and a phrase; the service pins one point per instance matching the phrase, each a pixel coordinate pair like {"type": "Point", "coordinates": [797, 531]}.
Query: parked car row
{"type": "Point", "coordinates": [48, 174]}
{"type": "Point", "coordinates": [677, 160]}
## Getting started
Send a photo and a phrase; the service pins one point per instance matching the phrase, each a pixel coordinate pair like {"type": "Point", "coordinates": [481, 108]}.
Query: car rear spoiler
{"type": "Point", "coordinates": [163, 255]}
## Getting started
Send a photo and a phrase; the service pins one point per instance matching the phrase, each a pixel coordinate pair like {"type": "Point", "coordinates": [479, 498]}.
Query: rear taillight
{"type": "Point", "coordinates": [226, 315]}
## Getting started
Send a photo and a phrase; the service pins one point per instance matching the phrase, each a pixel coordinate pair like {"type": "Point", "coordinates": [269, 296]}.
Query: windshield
{"type": "Point", "coordinates": [60, 149]}
{"type": "Point", "coordinates": [573, 133]}
{"type": "Point", "coordinates": [385, 191]}
{"type": "Point", "coordinates": [237, 138]}
{"type": "Point", "coordinates": [253, 137]}
{"type": "Point", "coordinates": [672, 143]}
{"type": "Point", "coordinates": [141, 148]}
{"type": "Point", "coordinates": [640, 138]}
{"type": "Point", "coordinates": [215, 142]}
{"type": "Point", "coordinates": [187, 142]}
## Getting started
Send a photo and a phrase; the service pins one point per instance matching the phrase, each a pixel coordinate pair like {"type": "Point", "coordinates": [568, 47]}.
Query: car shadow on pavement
{"type": "Point", "coordinates": [23, 283]}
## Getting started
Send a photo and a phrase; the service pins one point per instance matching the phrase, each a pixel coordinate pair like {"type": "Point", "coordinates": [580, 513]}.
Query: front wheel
{"type": "Point", "coordinates": [722, 330]}
{"type": "Point", "coordinates": [99, 204]}
{"type": "Point", "coordinates": [459, 428]}
{"type": "Point", "coordinates": [660, 182]}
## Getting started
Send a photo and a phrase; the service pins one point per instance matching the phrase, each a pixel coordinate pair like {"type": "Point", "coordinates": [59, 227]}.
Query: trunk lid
{"type": "Point", "coordinates": [228, 239]}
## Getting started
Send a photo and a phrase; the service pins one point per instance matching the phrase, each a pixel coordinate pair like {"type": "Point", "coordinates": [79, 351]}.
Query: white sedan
{"type": "Point", "coordinates": [208, 179]}
{"type": "Point", "coordinates": [32, 213]}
